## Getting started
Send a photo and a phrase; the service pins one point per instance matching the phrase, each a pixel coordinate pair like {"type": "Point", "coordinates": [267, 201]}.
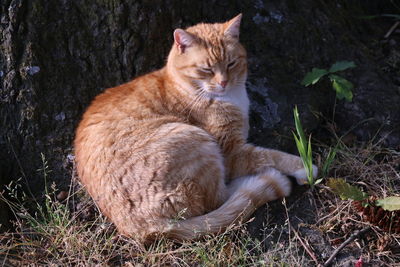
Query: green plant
{"type": "Point", "coordinates": [384, 213]}
{"type": "Point", "coordinates": [346, 191]}
{"type": "Point", "coordinates": [342, 86]}
{"type": "Point", "coordinates": [328, 161]}
{"type": "Point", "coordinates": [304, 148]}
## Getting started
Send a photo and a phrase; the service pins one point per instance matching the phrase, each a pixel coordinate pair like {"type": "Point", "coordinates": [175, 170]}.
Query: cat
{"type": "Point", "coordinates": [166, 154]}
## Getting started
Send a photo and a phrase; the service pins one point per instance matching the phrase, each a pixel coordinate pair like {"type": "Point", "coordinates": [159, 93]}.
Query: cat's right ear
{"type": "Point", "coordinates": [232, 27]}
{"type": "Point", "coordinates": [183, 39]}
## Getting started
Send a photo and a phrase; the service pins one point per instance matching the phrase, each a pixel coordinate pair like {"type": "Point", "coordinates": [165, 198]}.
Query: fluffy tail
{"type": "Point", "coordinates": [246, 195]}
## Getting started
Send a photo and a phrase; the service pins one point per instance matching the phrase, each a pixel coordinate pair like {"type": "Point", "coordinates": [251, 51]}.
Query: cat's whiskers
{"type": "Point", "coordinates": [194, 99]}
{"type": "Point", "coordinates": [197, 101]}
{"type": "Point", "coordinates": [189, 106]}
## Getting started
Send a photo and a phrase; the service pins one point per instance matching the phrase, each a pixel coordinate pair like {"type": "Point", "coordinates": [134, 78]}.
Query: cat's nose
{"type": "Point", "coordinates": [223, 83]}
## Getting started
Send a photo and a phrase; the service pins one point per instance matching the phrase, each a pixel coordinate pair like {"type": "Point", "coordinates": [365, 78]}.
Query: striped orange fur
{"type": "Point", "coordinates": [166, 153]}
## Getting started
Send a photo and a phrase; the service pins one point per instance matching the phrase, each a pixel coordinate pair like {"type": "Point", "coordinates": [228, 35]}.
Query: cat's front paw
{"type": "Point", "coordinates": [301, 175]}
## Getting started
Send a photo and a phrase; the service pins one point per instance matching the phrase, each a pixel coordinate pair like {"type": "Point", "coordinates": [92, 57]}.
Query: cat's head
{"type": "Point", "coordinates": [208, 58]}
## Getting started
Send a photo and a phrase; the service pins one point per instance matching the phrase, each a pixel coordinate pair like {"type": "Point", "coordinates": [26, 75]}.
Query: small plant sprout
{"type": "Point", "coordinates": [305, 150]}
{"type": "Point", "coordinates": [342, 86]}
{"type": "Point", "coordinates": [328, 161]}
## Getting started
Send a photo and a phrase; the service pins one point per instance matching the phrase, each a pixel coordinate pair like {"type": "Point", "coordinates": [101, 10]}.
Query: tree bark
{"type": "Point", "coordinates": [55, 56]}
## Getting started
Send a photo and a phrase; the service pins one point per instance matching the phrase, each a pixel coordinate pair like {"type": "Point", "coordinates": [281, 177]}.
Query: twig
{"type": "Point", "coordinates": [353, 236]}
{"type": "Point", "coordinates": [177, 251]}
{"type": "Point", "coordinates": [307, 248]}
{"type": "Point", "coordinates": [392, 29]}
{"type": "Point", "coordinates": [287, 215]}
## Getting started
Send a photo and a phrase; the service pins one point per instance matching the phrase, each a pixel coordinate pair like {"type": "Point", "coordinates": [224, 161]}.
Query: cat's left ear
{"type": "Point", "coordinates": [232, 27]}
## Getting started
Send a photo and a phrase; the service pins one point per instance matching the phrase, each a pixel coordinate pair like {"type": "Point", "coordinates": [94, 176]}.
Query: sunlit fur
{"type": "Point", "coordinates": [166, 153]}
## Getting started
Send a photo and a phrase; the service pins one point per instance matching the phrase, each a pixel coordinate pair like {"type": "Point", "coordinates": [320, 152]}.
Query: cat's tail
{"type": "Point", "coordinates": [246, 195]}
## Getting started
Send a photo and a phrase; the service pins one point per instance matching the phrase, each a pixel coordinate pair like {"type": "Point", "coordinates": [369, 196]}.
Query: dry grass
{"type": "Point", "coordinates": [72, 232]}
{"type": "Point", "coordinates": [376, 171]}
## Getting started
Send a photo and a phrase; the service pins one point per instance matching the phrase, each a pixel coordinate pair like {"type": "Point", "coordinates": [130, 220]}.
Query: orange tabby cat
{"type": "Point", "coordinates": [166, 153]}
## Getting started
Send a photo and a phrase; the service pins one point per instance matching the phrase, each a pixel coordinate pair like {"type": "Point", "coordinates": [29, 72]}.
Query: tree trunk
{"type": "Point", "coordinates": [55, 56]}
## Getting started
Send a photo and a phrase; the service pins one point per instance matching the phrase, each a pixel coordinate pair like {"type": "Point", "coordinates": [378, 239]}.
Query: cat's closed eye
{"type": "Point", "coordinates": [206, 70]}
{"type": "Point", "coordinates": [231, 64]}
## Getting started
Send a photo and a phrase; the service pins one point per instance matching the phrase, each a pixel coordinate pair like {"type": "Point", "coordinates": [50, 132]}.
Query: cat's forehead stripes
{"type": "Point", "coordinates": [211, 37]}
{"type": "Point", "coordinates": [216, 52]}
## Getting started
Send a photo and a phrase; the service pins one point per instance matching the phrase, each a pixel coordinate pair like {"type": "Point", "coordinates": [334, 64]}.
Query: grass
{"type": "Point", "coordinates": [299, 231]}
{"type": "Point", "coordinates": [376, 171]}
{"type": "Point", "coordinates": [61, 234]}
{"type": "Point", "coordinates": [304, 148]}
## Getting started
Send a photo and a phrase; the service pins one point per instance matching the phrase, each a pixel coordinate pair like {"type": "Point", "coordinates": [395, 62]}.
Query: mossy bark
{"type": "Point", "coordinates": [55, 56]}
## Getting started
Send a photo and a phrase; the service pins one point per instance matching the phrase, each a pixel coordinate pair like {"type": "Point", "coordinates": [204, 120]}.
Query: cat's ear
{"type": "Point", "coordinates": [183, 39]}
{"type": "Point", "coordinates": [232, 27]}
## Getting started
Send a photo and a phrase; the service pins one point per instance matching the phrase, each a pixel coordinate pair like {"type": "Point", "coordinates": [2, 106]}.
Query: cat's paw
{"type": "Point", "coordinates": [301, 175]}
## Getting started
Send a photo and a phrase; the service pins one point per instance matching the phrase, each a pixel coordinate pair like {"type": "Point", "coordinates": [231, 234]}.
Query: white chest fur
{"type": "Point", "coordinates": [238, 97]}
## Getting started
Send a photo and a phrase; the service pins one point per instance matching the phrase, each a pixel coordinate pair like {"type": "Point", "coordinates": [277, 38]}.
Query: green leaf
{"type": "Point", "coordinates": [299, 128]}
{"type": "Point", "coordinates": [300, 146]}
{"type": "Point", "coordinates": [345, 190]}
{"type": "Point", "coordinates": [389, 203]}
{"type": "Point", "coordinates": [309, 162]}
{"type": "Point", "coordinates": [309, 151]}
{"type": "Point", "coordinates": [328, 161]}
{"type": "Point", "coordinates": [313, 76]}
{"type": "Point", "coordinates": [342, 87]}
{"type": "Point", "coordinates": [341, 65]}
{"type": "Point", "coordinates": [304, 147]}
